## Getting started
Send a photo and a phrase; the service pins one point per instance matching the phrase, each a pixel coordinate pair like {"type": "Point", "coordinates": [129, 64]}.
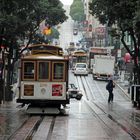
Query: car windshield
{"type": "Point", "coordinates": [81, 66]}
{"type": "Point", "coordinates": [72, 86]}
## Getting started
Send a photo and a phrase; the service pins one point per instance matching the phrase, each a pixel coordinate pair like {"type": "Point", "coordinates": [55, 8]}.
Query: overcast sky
{"type": "Point", "coordinates": [67, 2]}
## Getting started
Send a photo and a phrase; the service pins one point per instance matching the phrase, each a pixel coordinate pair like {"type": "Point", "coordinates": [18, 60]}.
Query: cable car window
{"type": "Point", "coordinates": [43, 69]}
{"type": "Point", "coordinates": [58, 71]}
{"type": "Point", "coordinates": [29, 70]}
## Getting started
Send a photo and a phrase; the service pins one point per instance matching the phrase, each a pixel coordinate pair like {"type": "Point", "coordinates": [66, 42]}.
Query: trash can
{"type": "Point", "coordinates": [135, 94]}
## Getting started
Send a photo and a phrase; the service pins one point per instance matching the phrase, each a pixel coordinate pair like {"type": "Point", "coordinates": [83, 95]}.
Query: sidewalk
{"type": "Point", "coordinates": [123, 83]}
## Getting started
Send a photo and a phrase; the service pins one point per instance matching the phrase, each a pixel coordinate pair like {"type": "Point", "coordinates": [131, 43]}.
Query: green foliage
{"type": "Point", "coordinates": [125, 15]}
{"type": "Point", "coordinates": [114, 11]}
{"type": "Point", "coordinates": [77, 11]}
{"type": "Point", "coordinates": [20, 19]}
{"type": "Point", "coordinates": [114, 32]}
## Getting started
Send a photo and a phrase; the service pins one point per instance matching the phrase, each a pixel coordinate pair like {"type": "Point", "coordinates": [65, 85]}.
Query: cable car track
{"type": "Point", "coordinates": [94, 107]}
{"type": "Point", "coordinates": [90, 94]}
{"type": "Point", "coordinates": [34, 127]}
{"type": "Point", "coordinates": [43, 126]}
{"type": "Point", "coordinates": [81, 86]}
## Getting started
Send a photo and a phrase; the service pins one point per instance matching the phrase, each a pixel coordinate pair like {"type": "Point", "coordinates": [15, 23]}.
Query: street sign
{"type": "Point", "coordinates": [100, 30]}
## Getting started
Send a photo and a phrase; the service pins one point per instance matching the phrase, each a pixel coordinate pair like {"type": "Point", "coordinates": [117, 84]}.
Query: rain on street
{"type": "Point", "coordinates": [90, 118]}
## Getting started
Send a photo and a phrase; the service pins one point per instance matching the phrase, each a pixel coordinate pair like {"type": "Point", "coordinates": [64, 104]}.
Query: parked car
{"type": "Point", "coordinates": [81, 69]}
{"type": "Point", "coordinates": [74, 92]}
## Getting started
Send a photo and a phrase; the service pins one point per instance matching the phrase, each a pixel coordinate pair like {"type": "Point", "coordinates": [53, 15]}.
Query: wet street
{"type": "Point", "coordinates": [91, 118]}
{"type": "Point", "coordinates": [46, 45]}
{"type": "Point", "coordinates": [11, 119]}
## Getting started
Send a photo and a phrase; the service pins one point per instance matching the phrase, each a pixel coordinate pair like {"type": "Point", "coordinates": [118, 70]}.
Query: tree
{"type": "Point", "coordinates": [19, 20]}
{"type": "Point", "coordinates": [77, 11]}
{"type": "Point", "coordinates": [125, 15]}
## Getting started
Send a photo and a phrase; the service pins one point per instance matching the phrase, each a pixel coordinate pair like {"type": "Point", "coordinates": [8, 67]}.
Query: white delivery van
{"type": "Point", "coordinates": [103, 67]}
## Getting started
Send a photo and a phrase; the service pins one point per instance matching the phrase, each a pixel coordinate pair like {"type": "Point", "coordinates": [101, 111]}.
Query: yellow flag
{"type": "Point", "coordinates": [47, 31]}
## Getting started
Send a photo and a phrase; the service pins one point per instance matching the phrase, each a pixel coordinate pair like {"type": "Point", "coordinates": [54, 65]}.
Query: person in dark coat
{"type": "Point", "coordinates": [110, 87]}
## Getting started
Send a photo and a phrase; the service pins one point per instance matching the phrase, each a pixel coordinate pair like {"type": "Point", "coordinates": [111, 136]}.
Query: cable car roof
{"type": "Point", "coordinates": [35, 46]}
{"type": "Point", "coordinates": [44, 56]}
{"type": "Point", "coordinates": [45, 49]}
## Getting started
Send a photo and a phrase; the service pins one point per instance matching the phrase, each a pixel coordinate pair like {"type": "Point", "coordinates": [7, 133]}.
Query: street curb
{"type": "Point", "coordinates": [123, 90]}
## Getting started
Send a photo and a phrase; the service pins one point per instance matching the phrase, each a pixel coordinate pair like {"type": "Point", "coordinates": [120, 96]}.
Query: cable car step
{"type": "Point", "coordinates": [44, 110]}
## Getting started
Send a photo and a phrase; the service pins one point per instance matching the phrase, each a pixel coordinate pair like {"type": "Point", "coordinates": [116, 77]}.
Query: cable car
{"type": "Point", "coordinates": [43, 79]}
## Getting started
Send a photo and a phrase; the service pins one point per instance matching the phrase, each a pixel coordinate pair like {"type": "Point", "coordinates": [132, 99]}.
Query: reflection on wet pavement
{"type": "Point", "coordinates": [119, 121]}
{"type": "Point", "coordinates": [10, 119]}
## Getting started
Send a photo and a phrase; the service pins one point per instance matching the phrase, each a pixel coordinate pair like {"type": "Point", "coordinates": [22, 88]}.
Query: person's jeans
{"type": "Point", "coordinates": [110, 98]}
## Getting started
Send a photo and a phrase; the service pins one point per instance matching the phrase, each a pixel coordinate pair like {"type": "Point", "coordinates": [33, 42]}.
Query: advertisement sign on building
{"type": "Point", "coordinates": [100, 30]}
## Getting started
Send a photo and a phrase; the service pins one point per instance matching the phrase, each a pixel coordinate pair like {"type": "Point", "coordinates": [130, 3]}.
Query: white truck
{"type": "Point", "coordinates": [103, 67]}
